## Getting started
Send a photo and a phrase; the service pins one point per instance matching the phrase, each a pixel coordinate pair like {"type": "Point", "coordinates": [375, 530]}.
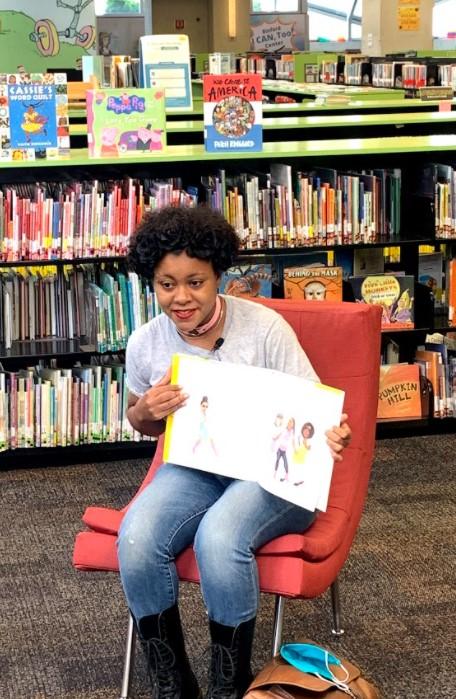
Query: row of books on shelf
{"type": "Point", "coordinates": [102, 304]}
{"type": "Point", "coordinates": [45, 406]}
{"type": "Point", "coordinates": [322, 206]}
{"type": "Point", "coordinates": [278, 208]}
{"type": "Point", "coordinates": [66, 220]}
{"type": "Point", "coordinates": [117, 70]}
{"type": "Point", "coordinates": [98, 307]}
{"type": "Point", "coordinates": [409, 73]}
{"type": "Point", "coordinates": [51, 407]}
{"type": "Point", "coordinates": [439, 182]}
{"type": "Point", "coordinates": [405, 388]}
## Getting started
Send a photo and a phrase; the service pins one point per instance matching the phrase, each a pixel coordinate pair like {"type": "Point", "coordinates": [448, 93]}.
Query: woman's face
{"type": "Point", "coordinates": [186, 289]}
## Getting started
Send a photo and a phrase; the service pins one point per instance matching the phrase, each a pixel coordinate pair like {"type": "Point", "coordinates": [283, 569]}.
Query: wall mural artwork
{"type": "Point", "coordinates": [54, 37]}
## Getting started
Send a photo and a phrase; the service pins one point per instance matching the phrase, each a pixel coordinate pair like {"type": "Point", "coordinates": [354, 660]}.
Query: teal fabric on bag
{"type": "Point", "coordinates": [309, 658]}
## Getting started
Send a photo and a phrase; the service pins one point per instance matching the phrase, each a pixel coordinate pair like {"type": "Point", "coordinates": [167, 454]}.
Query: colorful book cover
{"type": "Point", "coordinates": [247, 281]}
{"type": "Point", "coordinates": [125, 121]}
{"type": "Point", "coordinates": [233, 112]}
{"type": "Point", "coordinates": [430, 273]}
{"type": "Point", "coordinates": [313, 283]}
{"type": "Point", "coordinates": [395, 295]}
{"type": "Point", "coordinates": [399, 393]}
{"type": "Point", "coordinates": [165, 65]}
{"type": "Point", "coordinates": [283, 440]}
{"type": "Point", "coordinates": [33, 116]}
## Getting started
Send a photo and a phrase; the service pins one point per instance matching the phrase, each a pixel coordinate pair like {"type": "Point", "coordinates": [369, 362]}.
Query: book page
{"type": "Point", "coordinates": [255, 424]}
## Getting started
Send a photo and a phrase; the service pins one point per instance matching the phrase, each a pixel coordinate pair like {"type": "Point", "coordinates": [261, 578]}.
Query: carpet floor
{"type": "Point", "coordinates": [62, 631]}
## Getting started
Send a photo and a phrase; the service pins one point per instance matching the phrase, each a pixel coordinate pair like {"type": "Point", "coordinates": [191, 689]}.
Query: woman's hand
{"type": "Point", "coordinates": [161, 400]}
{"type": "Point", "coordinates": [338, 438]}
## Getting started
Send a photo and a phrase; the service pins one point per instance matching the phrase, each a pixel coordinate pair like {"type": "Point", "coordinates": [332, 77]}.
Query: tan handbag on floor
{"type": "Point", "coordinates": [280, 680]}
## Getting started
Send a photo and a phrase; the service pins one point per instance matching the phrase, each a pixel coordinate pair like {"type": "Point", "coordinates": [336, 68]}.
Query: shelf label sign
{"type": "Point", "coordinates": [437, 92]}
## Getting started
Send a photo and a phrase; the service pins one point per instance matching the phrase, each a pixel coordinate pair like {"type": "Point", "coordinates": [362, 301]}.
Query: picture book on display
{"type": "Point", "coordinates": [233, 112]}
{"type": "Point", "coordinates": [33, 116]}
{"type": "Point", "coordinates": [165, 65]}
{"type": "Point", "coordinates": [313, 283]}
{"type": "Point", "coordinates": [430, 273]}
{"type": "Point", "coordinates": [399, 393]}
{"type": "Point", "coordinates": [125, 121]}
{"type": "Point", "coordinates": [277, 439]}
{"type": "Point", "coordinates": [247, 280]}
{"type": "Point", "coordinates": [395, 295]}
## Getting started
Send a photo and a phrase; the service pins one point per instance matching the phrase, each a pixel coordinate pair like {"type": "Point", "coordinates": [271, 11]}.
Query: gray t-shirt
{"type": "Point", "coordinates": [253, 334]}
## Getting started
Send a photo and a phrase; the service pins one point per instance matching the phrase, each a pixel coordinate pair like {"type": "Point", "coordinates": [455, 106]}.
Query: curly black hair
{"type": "Point", "coordinates": [199, 232]}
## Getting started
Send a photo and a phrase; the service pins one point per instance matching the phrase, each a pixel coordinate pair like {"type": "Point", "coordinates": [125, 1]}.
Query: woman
{"type": "Point", "coordinates": [184, 252]}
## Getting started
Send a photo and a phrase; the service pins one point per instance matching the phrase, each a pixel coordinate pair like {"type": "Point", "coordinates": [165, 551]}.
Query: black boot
{"type": "Point", "coordinates": [168, 666]}
{"type": "Point", "coordinates": [230, 673]}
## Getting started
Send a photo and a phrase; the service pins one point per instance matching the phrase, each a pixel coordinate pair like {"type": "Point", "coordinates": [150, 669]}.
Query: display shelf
{"type": "Point", "coordinates": [48, 347]}
{"type": "Point", "coordinates": [320, 89]}
{"type": "Point", "coordinates": [425, 122]}
{"type": "Point", "coordinates": [315, 107]}
{"type": "Point", "coordinates": [273, 150]}
{"type": "Point", "coordinates": [387, 429]}
{"type": "Point", "coordinates": [81, 454]}
{"type": "Point", "coordinates": [61, 262]}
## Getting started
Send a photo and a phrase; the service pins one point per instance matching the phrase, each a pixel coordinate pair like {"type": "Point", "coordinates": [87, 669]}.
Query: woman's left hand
{"type": "Point", "coordinates": [338, 438]}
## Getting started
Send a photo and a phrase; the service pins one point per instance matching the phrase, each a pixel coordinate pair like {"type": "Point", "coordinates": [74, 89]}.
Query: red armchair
{"type": "Point", "coordinates": [342, 340]}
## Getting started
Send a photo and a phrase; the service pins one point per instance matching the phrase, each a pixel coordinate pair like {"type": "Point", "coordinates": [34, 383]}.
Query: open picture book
{"type": "Point", "coordinates": [255, 424]}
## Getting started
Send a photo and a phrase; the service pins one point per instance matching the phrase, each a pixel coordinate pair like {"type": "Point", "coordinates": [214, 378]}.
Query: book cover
{"type": "Point", "coordinates": [233, 112]}
{"type": "Point", "coordinates": [395, 295]}
{"type": "Point", "coordinates": [313, 283]}
{"type": "Point", "coordinates": [247, 281]}
{"type": "Point", "coordinates": [430, 273]}
{"type": "Point", "coordinates": [281, 444]}
{"type": "Point", "coordinates": [34, 116]}
{"type": "Point", "coordinates": [125, 121]}
{"type": "Point", "coordinates": [165, 65]}
{"type": "Point", "coordinates": [368, 261]}
{"type": "Point", "coordinates": [399, 394]}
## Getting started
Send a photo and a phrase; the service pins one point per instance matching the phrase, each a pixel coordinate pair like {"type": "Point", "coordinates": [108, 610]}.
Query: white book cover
{"type": "Point", "coordinates": [255, 424]}
{"type": "Point", "coordinates": [165, 64]}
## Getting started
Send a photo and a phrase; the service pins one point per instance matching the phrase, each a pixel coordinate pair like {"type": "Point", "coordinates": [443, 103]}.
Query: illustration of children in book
{"type": "Point", "coordinates": [284, 442]}
{"type": "Point", "coordinates": [301, 450]}
{"type": "Point", "coordinates": [34, 123]}
{"type": "Point", "coordinates": [276, 431]}
{"type": "Point", "coordinates": [204, 437]}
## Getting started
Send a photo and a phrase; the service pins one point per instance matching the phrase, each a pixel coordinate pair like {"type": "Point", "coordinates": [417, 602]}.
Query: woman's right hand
{"type": "Point", "coordinates": [161, 400]}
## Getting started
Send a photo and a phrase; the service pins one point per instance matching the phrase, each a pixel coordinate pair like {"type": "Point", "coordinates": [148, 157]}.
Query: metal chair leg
{"type": "Point", "coordinates": [129, 658]}
{"type": "Point", "coordinates": [278, 624]}
{"type": "Point", "coordinates": [337, 630]}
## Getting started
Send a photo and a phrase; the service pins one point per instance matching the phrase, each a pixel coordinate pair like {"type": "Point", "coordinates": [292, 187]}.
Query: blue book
{"type": "Point", "coordinates": [253, 280]}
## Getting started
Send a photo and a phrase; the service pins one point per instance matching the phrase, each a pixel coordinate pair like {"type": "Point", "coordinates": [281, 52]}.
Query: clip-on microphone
{"type": "Point", "coordinates": [217, 344]}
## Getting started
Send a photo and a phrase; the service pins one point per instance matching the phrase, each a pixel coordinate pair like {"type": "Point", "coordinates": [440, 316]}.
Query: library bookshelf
{"type": "Point", "coordinates": [193, 166]}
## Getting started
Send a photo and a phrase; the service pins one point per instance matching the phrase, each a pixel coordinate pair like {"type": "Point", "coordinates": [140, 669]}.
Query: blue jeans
{"type": "Point", "coordinates": [227, 520]}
